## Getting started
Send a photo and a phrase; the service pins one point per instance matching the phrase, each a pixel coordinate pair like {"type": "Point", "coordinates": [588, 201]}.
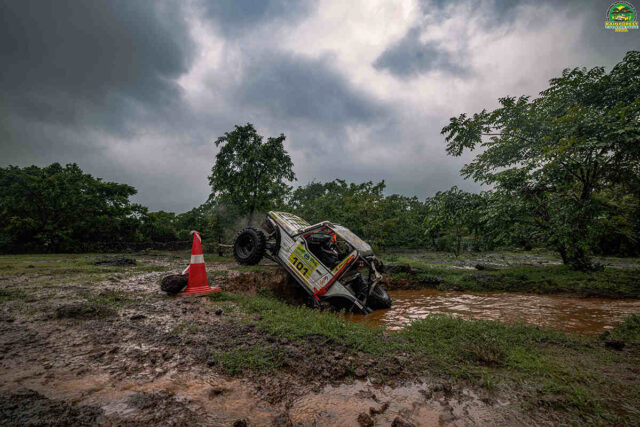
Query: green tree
{"type": "Point", "coordinates": [58, 208]}
{"type": "Point", "coordinates": [250, 173]}
{"type": "Point", "coordinates": [392, 221]}
{"type": "Point", "coordinates": [160, 227]}
{"type": "Point", "coordinates": [452, 213]}
{"type": "Point", "coordinates": [556, 152]}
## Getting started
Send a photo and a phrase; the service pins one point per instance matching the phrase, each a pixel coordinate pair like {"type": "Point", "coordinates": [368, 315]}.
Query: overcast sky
{"type": "Point", "coordinates": [137, 91]}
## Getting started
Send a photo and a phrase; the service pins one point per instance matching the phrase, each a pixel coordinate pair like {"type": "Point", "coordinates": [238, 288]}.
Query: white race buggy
{"type": "Point", "coordinates": [325, 259]}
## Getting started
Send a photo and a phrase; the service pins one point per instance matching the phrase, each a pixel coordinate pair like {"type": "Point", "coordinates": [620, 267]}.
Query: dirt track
{"type": "Point", "coordinates": [152, 361]}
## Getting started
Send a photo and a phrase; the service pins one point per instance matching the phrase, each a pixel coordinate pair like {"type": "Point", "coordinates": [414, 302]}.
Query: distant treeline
{"type": "Point", "coordinates": [61, 209]}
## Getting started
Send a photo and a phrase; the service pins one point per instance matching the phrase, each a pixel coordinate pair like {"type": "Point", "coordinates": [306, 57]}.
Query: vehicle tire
{"type": "Point", "coordinates": [174, 283]}
{"type": "Point", "coordinates": [249, 246]}
{"type": "Point", "coordinates": [379, 299]}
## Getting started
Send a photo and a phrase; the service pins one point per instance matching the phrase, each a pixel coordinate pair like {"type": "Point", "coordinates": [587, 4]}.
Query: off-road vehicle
{"type": "Point", "coordinates": [327, 260]}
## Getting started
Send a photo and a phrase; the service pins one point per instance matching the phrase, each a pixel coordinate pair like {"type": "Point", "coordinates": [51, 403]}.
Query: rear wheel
{"type": "Point", "coordinates": [249, 246]}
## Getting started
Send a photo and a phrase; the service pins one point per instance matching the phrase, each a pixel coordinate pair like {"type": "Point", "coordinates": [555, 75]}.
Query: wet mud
{"type": "Point", "coordinates": [571, 314]}
{"type": "Point", "coordinates": [153, 361]}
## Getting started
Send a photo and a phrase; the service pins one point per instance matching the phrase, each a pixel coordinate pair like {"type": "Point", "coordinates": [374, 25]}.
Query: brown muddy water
{"type": "Point", "coordinates": [582, 315]}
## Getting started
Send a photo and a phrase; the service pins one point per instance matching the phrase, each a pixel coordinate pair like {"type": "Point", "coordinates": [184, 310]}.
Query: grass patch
{"type": "Point", "coordinates": [545, 368]}
{"type": "Point", "coordinates": [51, 269]}
{"type": "Point", "coordinates": [104, 304]}
{"type": "Point", "coordinates": [114, 299]}
{"type": "Point", "coordinates": [255, 358]}
{"type": "Point", "coordinates": [11, 295]}
{"type": "Point", "coordinates": [610, 283]}
{"type": "Point", "coordinates": [251, 268]}
{"type": "Point", "coordinates": [298, 323]}
{"type": "Point", "coordinates": [628, 331]}
{"type": "Point", "coordinates": [86, 310]}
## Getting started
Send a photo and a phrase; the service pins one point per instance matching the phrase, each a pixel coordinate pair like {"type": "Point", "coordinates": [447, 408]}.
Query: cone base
{"type": "Point", "coordinates": [200, 290]}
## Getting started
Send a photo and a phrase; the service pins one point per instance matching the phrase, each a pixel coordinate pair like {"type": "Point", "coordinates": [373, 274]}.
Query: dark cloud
{"type": "Point", "coordinates": [78, 62]}
{"type": "Point", "coordinates": [292, 87]}
{"type": "Point", "coordinates": [235, 16]}
{"type": "Point", "coordinates": [410, 57]}
{"type": "Point", "coordinates": [99, 83]}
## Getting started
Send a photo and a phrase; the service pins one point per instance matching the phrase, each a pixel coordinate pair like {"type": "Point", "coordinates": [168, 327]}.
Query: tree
{"type": "Point", "coordinates": [249, 173]}
{"type": "Point", "coordinates": [452, 213]}
{"type": "Point", "coordinates": [58, 208]}
{"type": "Point", "coordinates": [392, 221]}
{"type": "Point", "coordinates": [558, 151]}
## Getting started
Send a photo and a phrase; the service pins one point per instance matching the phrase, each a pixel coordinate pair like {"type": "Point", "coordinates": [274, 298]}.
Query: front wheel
{"type": "Point", "coordinates": [249, 246]}
{"type": "Point", "coordinates": [379, 299]}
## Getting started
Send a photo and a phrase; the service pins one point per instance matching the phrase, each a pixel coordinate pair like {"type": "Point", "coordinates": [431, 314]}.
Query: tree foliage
{"type": "Point", "coordinates": [560, 152]}
{"type": "Point", "coordinates": [392, 221]}
{"type": "Point", "coordinates": [249, 173]}
{"type": "Point", "coordinates": [59, 207]}
{"type": "Point", "coordinates": [453, 213]}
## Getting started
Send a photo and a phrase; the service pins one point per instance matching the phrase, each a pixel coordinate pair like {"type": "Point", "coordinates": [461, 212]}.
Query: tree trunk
{"type": "Point", "coordinates": [563, 254]}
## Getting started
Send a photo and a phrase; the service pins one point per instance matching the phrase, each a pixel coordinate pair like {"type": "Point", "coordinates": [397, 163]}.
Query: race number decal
{"type": "Point", "coordinates": [302, 261]}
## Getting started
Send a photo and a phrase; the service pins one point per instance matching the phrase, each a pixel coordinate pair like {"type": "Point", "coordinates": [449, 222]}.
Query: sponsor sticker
{"type": "Point", "coordinates": [302, 261]}
{"type": "Point", "coordinates": [339, 266]}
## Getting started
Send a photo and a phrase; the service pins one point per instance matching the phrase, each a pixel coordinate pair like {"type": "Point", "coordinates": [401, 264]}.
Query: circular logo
{"type": "Point", "coordinates": [621, 12]}
{"type": "Point", "coordinates": [621, 17]}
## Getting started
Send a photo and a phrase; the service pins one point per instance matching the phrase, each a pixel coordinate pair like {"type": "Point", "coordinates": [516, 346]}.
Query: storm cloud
{"type": "Point", "coordinates": [412, 57]}
{"type": "Point", "coordinates": [136, 91]}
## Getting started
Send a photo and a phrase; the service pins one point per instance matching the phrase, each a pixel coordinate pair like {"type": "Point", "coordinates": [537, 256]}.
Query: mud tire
{"type": "Point", "coordinates": [379, 299]}
{"type": "Point", "coordinates": [249, 246]}
{"type": "Point", "coordinates": [174, 283]}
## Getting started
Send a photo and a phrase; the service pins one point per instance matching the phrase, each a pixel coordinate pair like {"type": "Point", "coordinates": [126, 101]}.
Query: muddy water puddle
{"type": "Point", "coordinates": [583, 315]}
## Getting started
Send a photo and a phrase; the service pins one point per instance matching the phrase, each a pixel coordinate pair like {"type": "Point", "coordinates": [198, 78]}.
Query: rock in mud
{"type": "Point", "coordinates": [401, 422]}
{"type": "Point", "coordinates": [117, 261]}
{"type": "Point", "coordinates": [365, 420]}
{"type": "Point", "coordinates": [380, 410]}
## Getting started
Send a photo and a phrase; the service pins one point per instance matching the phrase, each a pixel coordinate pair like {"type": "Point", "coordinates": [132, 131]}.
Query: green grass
{"type": "Point", "coordinates": [65, 269]}
{"type": "Point", "coordinates": [104, 304]}
{"type": "Point", "coordinates": [627, 331]}
{"type": "Point", "coordinates": [545, 368]}
{"type": "Point", "coordinates": [610, 283]}
{"type": "Point", "coordinates": [294, 323]}
{"type": "Point", "coordinates": [115, 299]}
{"type": "Point", "coordinates": [254, 358]}
{"type": "Point", "coordinates": [251, 268]}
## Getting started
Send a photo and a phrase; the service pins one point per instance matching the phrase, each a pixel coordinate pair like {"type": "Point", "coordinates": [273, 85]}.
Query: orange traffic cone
{"type": "Point", "coordinates": [197, 283]}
